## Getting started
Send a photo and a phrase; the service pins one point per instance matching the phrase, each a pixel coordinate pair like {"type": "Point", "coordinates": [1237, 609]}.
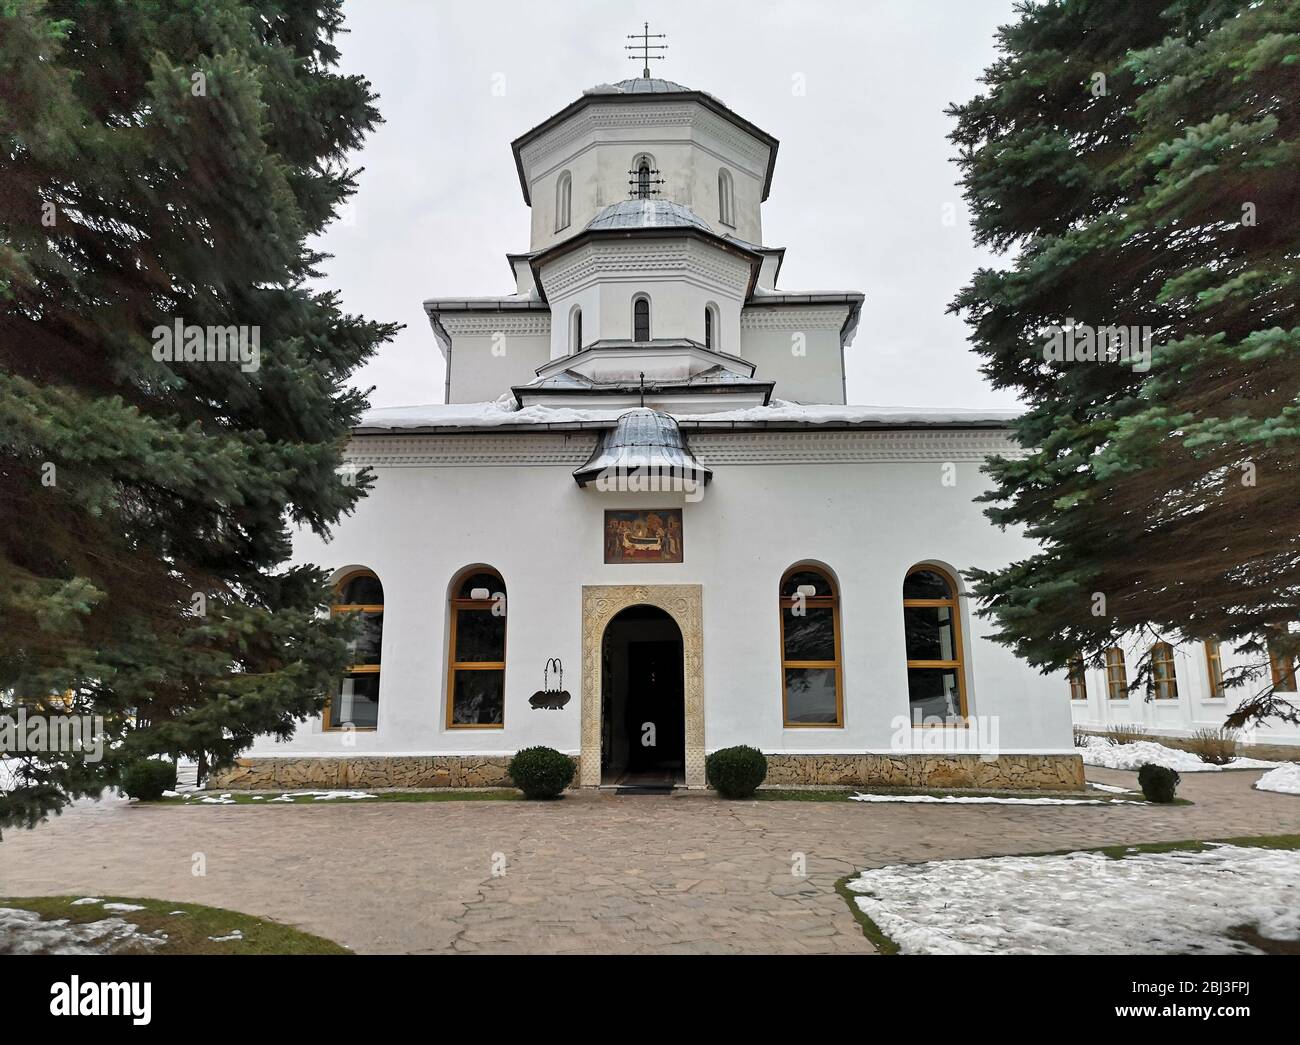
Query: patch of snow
{"type": "Point", "coordinates": [259, 798]}
{"type": "Point", "coordinates": [24, 932]}
{"type": "Point", "coordinates": [86, 900]}
{"type": "Point", "coordinates": [1110, 789]}
{"type": "Point", "coordinates": [171, 794]}
{"type": "Point", "coordinates": [234, 934]}
{"type": "Point", "coordinates": [1284, 779]}
{"type": "Point", "coordinates": [218, 800]}
{"type": "Point", "coordinates": [1133, 756]}
{"type": "Point", "coordinates": [322, 796]}
{"type": "Point", "coordinates": [985, 800]}
{"type": "Point", "coordinates": [175, 912]}
{"type": "Point", "coordinates": [124, 907]}
{"type": "Point", "coordinates": [1087, 903]}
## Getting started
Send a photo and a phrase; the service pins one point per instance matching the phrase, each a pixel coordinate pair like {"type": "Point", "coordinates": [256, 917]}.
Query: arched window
{"type": "Point", "coordinates": [1214, 672]}
{"type": "Point", "coordinates": [356, 705]}
{"type": "Point", "coordinates": [936, 683]}
{"type": "Point", "coordinates": [711, 326]}
{"type": "Point", "coordinates": [476, 682]}
{"type": "Point", "coordinates": [563, 201]}
{"type": "Point", "coordinates": [1116, 674]}
{"type": "Point", "coordinates": [1163, 679]}
{"type": "Point", "coordinates": [1078, 679]}
{"type": "Point", "coordinates": [812, 679]}
{"type": "Point", "coordinates": [641, 319]}
{"type": "Point", "coordinates": [644, 167]}
{"type": "Point", "coordinates": [726, 198]}
{"type": "Point", "coordinates": [575, 330]}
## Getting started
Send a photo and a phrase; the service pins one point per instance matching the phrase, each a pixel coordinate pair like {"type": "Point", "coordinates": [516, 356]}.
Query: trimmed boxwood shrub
{"type": "Point", "coordinates": [147, 779]}
{"type": "Point", "coordinates": [1158, 783]}
{"type": "Point", "coordinates": [735, 772]}
{"type": "Point", "coordinates": [541, 772]}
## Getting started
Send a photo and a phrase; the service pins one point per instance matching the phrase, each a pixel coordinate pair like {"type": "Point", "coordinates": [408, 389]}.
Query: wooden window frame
{"type": "Point", "coordinates": [1214, 671]}
{"type": "Point", "coordinates": [1077, 674]}
{"type": "Point", "coordinates": [831, 602]}
{"type": "Point", "coordinates": [1162, 653]}
{"type": "Point", "coordinates": [355, 669]}
{"type": "Point", "coordinates": [456, 605]}
{"type": "Point", "coordinates": [1113, 663]}
{"type": "Point", "coordinates": [1283, 671]}
{"type": "Point", "coordinates": [954, 604]}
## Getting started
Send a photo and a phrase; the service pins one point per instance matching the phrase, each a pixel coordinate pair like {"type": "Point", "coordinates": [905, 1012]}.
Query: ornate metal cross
{"type": "Point", "coordinates": [645, 47]}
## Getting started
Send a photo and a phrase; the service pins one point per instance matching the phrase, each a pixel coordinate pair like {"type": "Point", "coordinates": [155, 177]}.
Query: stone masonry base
{"type": "Point", "coordinates": [1006, 772]}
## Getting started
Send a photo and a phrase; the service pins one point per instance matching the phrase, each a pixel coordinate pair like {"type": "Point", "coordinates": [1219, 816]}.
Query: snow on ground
{"type": "Point", "coordinates": [986, 800]}
{"type": "Point", "coordinates": [23, 932]}
{"type": "Point", "coordinates": [1105, 755]}
{"type": "Point", "coordinates": [1110, 789]}
{"type": "Point", "coordinates": [1285, 778]}
{"type": "Point", "coordinates": [322, 796]}
{"type": "Point", "coordinates": [1086, 903]}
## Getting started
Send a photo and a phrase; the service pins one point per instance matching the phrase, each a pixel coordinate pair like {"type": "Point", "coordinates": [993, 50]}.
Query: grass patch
{"type": "Point", "coordinates": [264, 798]}
{"type": "Point", "coordinates": [885, 945]}
{"type": "Point", "coordinates": [189, 932]}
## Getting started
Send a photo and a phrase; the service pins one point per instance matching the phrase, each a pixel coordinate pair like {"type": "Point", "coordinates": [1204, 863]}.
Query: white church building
{"type": "Point", "coordinates": [645, 475]}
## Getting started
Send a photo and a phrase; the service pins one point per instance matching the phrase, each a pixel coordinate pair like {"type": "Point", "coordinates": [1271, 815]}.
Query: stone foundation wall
{"type": "Point", "coordinates": [266, 774]}
{"type": "Point", "coordinates": [1006, 772]}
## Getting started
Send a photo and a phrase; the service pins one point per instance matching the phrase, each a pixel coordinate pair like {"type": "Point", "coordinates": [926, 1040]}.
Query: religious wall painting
{"type": "Point", "coordinates": [649, 535]}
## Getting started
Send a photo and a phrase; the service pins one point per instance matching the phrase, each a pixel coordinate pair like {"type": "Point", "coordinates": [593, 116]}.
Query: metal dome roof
{"type": "Point", "coordinates": [642, 444]}
{"type": "Point", "coordinates": [638, 85]}
{"type": "Point", "coordinates": [646, 214]}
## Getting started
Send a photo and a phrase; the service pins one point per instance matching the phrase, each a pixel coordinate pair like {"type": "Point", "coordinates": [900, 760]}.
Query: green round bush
{"type": "Point", "coordinates": [735, 772]}
{"type": "Point", "coordinates": [541, 772]}
{"type": "Point", "coordinates": [147, 779]}
{"type": "Point", "coordinates": [1158, 783]}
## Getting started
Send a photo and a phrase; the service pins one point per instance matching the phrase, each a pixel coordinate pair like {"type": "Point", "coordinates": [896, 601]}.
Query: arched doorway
{"type": "Point", "coordinates": [643, 709]}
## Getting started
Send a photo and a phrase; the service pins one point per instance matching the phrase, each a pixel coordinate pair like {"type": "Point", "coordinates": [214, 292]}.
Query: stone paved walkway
{"type": "Point", "coordinates": [594, 873]}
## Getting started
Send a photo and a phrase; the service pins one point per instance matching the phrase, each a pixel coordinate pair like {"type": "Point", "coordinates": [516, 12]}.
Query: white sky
{"type": "Point", "coordinates": [863, 177]}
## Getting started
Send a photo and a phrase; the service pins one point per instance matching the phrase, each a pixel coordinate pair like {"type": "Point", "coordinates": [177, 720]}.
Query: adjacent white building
{"type": "Point", "coordinates": [645, 473]}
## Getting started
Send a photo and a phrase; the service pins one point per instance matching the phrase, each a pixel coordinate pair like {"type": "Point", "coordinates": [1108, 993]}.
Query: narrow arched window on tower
{"type": "Point", "coordinates": [643, 179]}
{"type": "Point", "coordinates": [726, 198]}
{"type": "Point", "coordinates": [641, 319]}
{"type": "Point", "coordinates": [575, 341]}
{"type": "Point", "coordinates": [563, 201]}
{"type": "Point", "coordinates": [708, 327]}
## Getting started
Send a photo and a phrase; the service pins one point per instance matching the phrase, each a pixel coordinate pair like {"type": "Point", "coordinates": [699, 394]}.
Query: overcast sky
{"type": "Point", "coordinates": [863, 197]}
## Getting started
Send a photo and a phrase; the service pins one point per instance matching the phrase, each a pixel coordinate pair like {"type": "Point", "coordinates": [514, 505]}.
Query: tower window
{"type": "Point", "coordinates": [563, 201]}
{"type": "Point", "coordinates": [641, 319]}
{"type": "Point", "coordinates": [575, 336]}
{"type": "Point", "coordinates": [643, 179]}
{"type": "Point", "coordinates": [726, 198]}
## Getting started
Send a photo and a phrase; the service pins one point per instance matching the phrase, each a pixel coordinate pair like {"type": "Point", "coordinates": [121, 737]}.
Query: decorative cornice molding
{"type": "Point", "coordinates": [478, 449]}
{"type": "Point", "coordinates": [525, 324]}
{"type": "Point", "coordinates": [770, 317]}
{"type": "Point", "coordinates": [847, 446]}
{"type": "Point", "coordinates": [642, 261]}
{"type": "Point", "coordinates": [621, 116]}
{"type": "Point", "coordinates": [570, 449]}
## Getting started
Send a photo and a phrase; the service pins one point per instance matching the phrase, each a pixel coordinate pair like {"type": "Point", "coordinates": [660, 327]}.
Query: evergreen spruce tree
{"type": "Point", "coordinates": [165, 162]}
{"type": "Point", "coordinates": [1141, 162]}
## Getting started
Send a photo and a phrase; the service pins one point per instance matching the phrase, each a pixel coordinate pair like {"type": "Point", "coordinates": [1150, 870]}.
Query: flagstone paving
{"type": "Point", "coordinates": [686, 873]}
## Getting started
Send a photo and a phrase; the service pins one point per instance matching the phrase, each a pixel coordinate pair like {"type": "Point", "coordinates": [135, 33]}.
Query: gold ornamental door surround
{"type": "Point", "coordinates": [684, 603]}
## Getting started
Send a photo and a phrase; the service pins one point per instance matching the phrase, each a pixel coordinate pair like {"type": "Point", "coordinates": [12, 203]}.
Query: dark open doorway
{"type": "Point", "coordinates": [643, 715]}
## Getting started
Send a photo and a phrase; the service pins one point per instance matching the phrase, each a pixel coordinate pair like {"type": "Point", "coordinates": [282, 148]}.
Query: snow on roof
{"type": "Point", "coordinates": [502, 413]}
